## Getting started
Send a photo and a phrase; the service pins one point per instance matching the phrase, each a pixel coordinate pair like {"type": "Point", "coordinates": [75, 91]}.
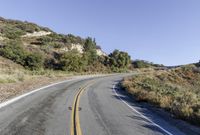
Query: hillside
{"type": "Point", "coordinates": [10, 71]}
{"type": "Point", "coordinates": [15, 79]}
{"type": "Point", "coordinates": [34, 36]}
{"type": "Point", "coordinates": [35, 47]}
{"type": "Point", "coordinates": [31, 54]}
{"type": "Point", "coordinates": [177, 90]}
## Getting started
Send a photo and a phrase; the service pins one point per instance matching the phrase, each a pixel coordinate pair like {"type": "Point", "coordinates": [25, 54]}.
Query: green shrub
{"type": "Point", "coordinates": [71, 39]}
{"type": "Point", "coordinates": [144, 64]}
{"type": "Point", "coordinates": [141, 64]}
{"type": "Point", "coordinates": [118, 60]}
{"type": "Point", "coordinates": [56, 45]}
{"type": "Point", "coordinates": [27, 27]}
{"type": "Point", "coordinates": [34, 61]}
{"type": "Point", "coordinates": [90, 50]}
{"type": "Point", "coordinates": [50, 63]}
{"type": "Point", "coordinates": [71, 61]}
{"type": "Point", "coordinates": [15, 52]}
{"type": "Point", "coordinates": [45, 40]}
{"type": "Point", "coordinates": [179, 95]}
{"type": "Point", "coordinates": [12, 33]}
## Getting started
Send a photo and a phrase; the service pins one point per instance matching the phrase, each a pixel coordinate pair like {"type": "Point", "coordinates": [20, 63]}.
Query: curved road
{"type": "Point", "coordinates": [82, 106]}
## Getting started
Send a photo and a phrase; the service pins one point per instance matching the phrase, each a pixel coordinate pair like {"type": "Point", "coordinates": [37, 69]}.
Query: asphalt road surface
{"type": "Point", "coordinates": [83, 106]}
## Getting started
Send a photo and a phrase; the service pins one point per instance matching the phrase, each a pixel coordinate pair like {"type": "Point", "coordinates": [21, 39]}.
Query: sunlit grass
{"type": "Point", "coordinates": [177, 90]}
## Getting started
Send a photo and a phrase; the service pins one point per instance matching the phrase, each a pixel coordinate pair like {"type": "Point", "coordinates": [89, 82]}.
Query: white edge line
{"type": "Point", "coordinates": [3, 104]}
{"type": "Point", "coordinates": [114, 89]}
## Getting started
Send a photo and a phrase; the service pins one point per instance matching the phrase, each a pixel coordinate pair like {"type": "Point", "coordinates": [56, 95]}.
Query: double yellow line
{"type": "Point", "coordinates": [75, 118]}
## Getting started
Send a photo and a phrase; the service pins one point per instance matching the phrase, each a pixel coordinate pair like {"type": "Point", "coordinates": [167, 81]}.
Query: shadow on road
{"type": "Point", "coordinates": [146, 110]}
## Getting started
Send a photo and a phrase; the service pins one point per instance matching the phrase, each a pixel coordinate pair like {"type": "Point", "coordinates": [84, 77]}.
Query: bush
{"type": "Point", "coordinates": [144, 64]}
{"type": "Point", "coordinates": [71, 39]}
{"type": "Point", "coordinates": [27, 27]}
{"type": "Point", "coordinates": [141, 64]}
{"type": "Point", "coordinates": [118, 60]}
{"type": "Point", "coordinates": [12, 33]}
{"type": "Point", "coordinates": [57, 45]}
{"type": "Point", "coordinates": [71, 61]}
{"type": "Point", "coordinates": [34, 61]}
{"type": "Point", "coordinates": [15, 52]}
{"type": "Point", "coordinates": [176, 91]}
{"type": "Point", "coordinates": [45, 40]}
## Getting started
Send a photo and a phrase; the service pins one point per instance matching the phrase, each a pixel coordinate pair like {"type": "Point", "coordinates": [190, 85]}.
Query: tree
{"type": "Point", "coordinates": [90, 50]}
{"type": "Point", "coordinates": [89, 45]}
{"type": "Point", "coordinates": [141, 64]}
{"type": "Point", "coordinates": [34, 61]}
{"type": "Point", "coordinates": [119, 59]}
{"type": "Point", "coordinates": [71, 61]}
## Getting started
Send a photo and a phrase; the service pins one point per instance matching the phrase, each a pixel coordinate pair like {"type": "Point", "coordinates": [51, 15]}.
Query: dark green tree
{"type": "Point", "coordinates": [141, 64]}
{"type": "Point", "coordinates": [119, 59]}
{"type": "Point", "coordinates": [90, 50]}
{"type": "Point", "coordinates": [34, 61]}
{"type": "Point", "coordinates": [71, 61]}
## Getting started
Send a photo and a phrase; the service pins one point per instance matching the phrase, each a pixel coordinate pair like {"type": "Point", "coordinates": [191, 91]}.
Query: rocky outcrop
{"type": "Point", "coordinates": [37, 34]}
{"type": "Point", "coordinates": [80, 49]}
{"type": "Point", "coordinates": [77, 47]}
{"type": "Point", "coordinates": [101, 53]}
{"type": "Point", "coordinates": [1, 38]}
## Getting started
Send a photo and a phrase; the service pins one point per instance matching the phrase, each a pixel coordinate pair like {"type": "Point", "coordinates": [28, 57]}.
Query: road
{"type": "Point", "coordinates": [85, 106]}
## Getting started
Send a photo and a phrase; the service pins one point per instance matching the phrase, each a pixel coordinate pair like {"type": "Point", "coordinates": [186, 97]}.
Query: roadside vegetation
{"type": "Point", "coordinates": [53, 56]}
{"type": "Point", "coordinates": [56, 52]}
{"type": "Point", "coordinates": [144, 64]}
{"type": "Point", "coordinates": [176, 90]}
{"type": "Point", "coordinates": [31, 54]}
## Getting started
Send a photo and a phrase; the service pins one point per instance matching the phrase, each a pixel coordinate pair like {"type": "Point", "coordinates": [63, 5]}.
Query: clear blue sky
{"type": "Point", "coordinates": [161, 31]}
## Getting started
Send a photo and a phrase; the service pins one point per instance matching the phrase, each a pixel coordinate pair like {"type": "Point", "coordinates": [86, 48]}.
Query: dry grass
{"type": "Point", "coordinates": [10, 90]}
{"type": "Point", "coordinates": [15, 80]}
{"type": "Point", "coordinates": [11, 72]}
{"type": "Point", "coordinates": [177, 90]}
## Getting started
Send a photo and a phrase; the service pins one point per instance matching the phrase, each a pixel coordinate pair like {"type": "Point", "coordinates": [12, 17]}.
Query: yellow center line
{"type": "Point", "coordinates": [72, 116]}
{"type": "Point", "coordinates": [75, 118]}
{"type": "Point", "coordinates": [78, 127]}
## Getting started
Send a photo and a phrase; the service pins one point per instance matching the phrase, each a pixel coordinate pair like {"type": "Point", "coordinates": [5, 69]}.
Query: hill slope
{"type": "Point", "coordinates": [33, 35]}
{"type": "Point", "coordinates": [10, 71]}
{"type": "Point", "coordinates": [176, 90]}
{"type": "Point", "coordinates": [35, 47]}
